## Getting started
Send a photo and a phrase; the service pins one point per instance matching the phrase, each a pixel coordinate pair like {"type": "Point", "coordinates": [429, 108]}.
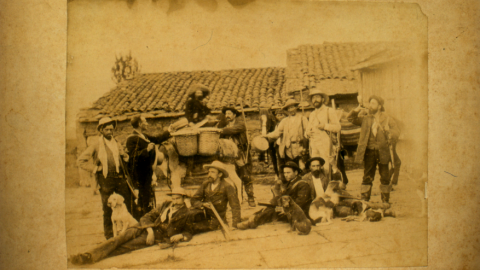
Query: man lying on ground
{"type": "Point", "coordinates": [298, 189]}
{"type": "Point", "coordinates": [166, 224]}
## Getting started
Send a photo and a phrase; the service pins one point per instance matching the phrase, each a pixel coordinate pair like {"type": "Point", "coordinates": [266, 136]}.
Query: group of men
{"type": "Point", "coordinates": [172, 221]}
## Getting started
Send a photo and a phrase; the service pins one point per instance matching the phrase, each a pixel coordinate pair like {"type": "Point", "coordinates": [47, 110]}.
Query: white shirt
{"type": "Point", "coordinates": [317, 183]}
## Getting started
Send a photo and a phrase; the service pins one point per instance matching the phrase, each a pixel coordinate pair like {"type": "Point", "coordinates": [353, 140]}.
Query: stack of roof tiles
{"type": "Point", "coordinates": [327, 64]}
{"type": "Point", "coordinates": [168, 92]}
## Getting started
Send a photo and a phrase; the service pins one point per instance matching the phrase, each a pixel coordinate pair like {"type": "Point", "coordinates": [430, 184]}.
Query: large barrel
{"type": "Point", "coordinates": [350, 133]}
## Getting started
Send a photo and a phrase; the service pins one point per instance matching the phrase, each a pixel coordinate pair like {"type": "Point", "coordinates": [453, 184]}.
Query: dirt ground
{"type": "Point", "coordinates": [400, 241]}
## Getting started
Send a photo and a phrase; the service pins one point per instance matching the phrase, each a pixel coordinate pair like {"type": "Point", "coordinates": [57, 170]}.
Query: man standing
{"type": "Point", "coordinates": [378, 131]}
{"type": "Point", "coordinates": [141, 148]}
{"type": "Point", "coordinates": [233, 128]}
{"type": "Point", "coordinates": [298, 189]}
{"type": "Point", "coordinates": [322, 121]}
{"type": "Point", "coordinates": [216, 193]}
{"type": "Point", "coordinates": [166, 224]}
{"type": "Point", "coordinates": [291, 131]}
{"type": "Point", "coordinates": [195, 108]}
{"type": "Point", "coordinates": [108, 168]}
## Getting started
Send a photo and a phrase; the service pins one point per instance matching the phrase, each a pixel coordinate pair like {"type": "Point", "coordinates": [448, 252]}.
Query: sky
{"type": "Point", "coordinates": [215, 37]}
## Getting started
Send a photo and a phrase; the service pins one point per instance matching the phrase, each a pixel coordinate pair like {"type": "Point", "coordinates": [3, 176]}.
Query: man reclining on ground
{"type": "Point", "coordinates": [299, 191]}
{"type": "Point", "coordinates": [166, 224]}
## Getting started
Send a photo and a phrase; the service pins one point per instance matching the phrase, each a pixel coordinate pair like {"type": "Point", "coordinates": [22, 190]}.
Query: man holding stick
{"type": "Point", "coordinates": [234, 128]}
{"type": "Point", "coordinates": [213, 196]}
{"type": "Point", "coordinates": [377, 133]}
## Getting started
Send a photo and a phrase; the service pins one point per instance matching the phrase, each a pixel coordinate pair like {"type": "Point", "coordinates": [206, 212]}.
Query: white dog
{"type": "Point", "coordinates": [121, 218]}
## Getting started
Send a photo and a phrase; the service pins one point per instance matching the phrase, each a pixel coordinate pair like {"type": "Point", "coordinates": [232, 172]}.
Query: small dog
{"type": "Point", "coordinates": [121, 218]}
{"type": "Point", "coordinates": [296, 217]}
{"type": "Point", "coordinates": [321, 211]}
{"type": "Point", "coordinates": [365, 213]}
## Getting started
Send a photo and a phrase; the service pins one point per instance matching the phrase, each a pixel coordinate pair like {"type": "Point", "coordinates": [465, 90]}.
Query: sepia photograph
{"type": "Point", "coordinates": [246, 134]}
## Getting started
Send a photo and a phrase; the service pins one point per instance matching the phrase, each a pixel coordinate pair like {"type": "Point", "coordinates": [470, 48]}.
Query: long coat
{"type": "Point", "coordinates": [195, 106]}
{"type": "Point", "coordinates": [141, 160]}
{"type": "Point", "coordinates": [224, 193]}
{"type": "Point", "coordinates": [366, 123]}
{"type": "Point", "coordinates": [178, 224]}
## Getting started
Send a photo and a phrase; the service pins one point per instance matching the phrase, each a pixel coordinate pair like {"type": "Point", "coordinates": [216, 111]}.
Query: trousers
{"type": "Point", "coordinates": [117, 184]}
{"type": "Point", "coordinates": [372, 159]}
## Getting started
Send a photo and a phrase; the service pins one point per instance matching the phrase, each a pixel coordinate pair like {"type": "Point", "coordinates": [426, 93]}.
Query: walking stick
{"type": "Point", "coordinates": [226, 231]}
{"type": "Point", "coordinates": [248, 140]}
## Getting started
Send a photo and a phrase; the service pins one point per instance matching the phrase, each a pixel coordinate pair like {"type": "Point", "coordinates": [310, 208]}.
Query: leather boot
{"type": "Point", "coordinates": [366, 191]}
{"type": "Point", "coordinates": [385, 192]}
{"type": "Point", "coordinates": [249, 191]}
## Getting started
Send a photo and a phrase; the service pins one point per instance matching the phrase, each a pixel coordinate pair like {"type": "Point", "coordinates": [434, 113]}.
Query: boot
{"type": "Point", "coordinates": [366, 191]}
{"type": "Point", "coordinates": [249, 191]}
{"type": "Point", "coordinates": [385, 192]}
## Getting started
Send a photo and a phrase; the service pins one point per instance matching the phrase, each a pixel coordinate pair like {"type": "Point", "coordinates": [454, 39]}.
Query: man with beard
{"type": "Point", "coordinates": [316, 177]}
{"type": "Point", "coordinates": [233, 128]}
{"type": "Point", "coordinates": [195, 108]}
{"type": "Point", "coordinates": [378, 131]}
{"type": "Point", "coordinates": [108, 164]}
{"type": "Point", "coordinates": [298, 189]}
{"type": "Point", "coordinates": [323, 121]}
{"type": "Point", "coordinates": [214, 193]}
{"type": "Point", "coordinates": [291, 131]}
{"type": "Point", "coordinates": [141, 148]}
{"type": "Point", "coordinates": [166, 224]}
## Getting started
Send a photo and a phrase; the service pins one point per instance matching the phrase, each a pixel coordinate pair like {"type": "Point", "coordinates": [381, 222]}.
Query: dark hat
{"type": "Point", "coordinates": [281, 111]}
{"type": "Point", "coordinates": [232, 109]}
{"type": "Point", "coordinates": [291, 164]}
{"type": "Point", "coordinates": [199, 86]}
{"type": "Point", "coordinates": [379, 100]}
{"type": "Point", "coordinates": [322, 161]}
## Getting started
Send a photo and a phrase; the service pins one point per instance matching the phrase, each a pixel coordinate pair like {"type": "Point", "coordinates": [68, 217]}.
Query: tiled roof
{"type": "Point", "coordinates": [168, 92]}
{"type": "Point", "coordinates": [328, 65]}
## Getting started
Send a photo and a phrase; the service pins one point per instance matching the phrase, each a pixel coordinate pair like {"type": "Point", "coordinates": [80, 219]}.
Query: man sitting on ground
{"type": "Point", "coordinates": [166, 224]}
{"type": "Point", "coordinates": [214, 193]}
{"type": "Point", "coordinates": [299, 190]}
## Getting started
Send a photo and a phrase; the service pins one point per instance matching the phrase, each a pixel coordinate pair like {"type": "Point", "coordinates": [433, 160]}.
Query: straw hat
{"type": "Point", "coordinates": [289, 103]}
{"type": "Point", "coordinates": [106, 120]}
{"type": "Point", "coordinates": [177, 191]}
{"type": "Point", "coordinates": [316, 91]}
{"type": "Point", "coordinates": [217, 165]}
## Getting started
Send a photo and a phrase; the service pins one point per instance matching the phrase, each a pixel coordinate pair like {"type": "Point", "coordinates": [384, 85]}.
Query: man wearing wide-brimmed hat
{"type": "Point", "coordinates": [108, 168]}
{"type": "Point", "coordinates": [291, 132]}
{"type": "Point", "coordinates": [195, 109]}
{"type": "Point", "coordinates": [233, 128]}
{"type": "Point", "coordinates": [214, 193]}
{"type": "Point", "coordinates": [166, 224]}
{"type": "Point", "coordinates": [378, 132]}
{"type": "Point", "coordinates": [298, 189]}
{"type": "Point", "coordinates": [322, 121]}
